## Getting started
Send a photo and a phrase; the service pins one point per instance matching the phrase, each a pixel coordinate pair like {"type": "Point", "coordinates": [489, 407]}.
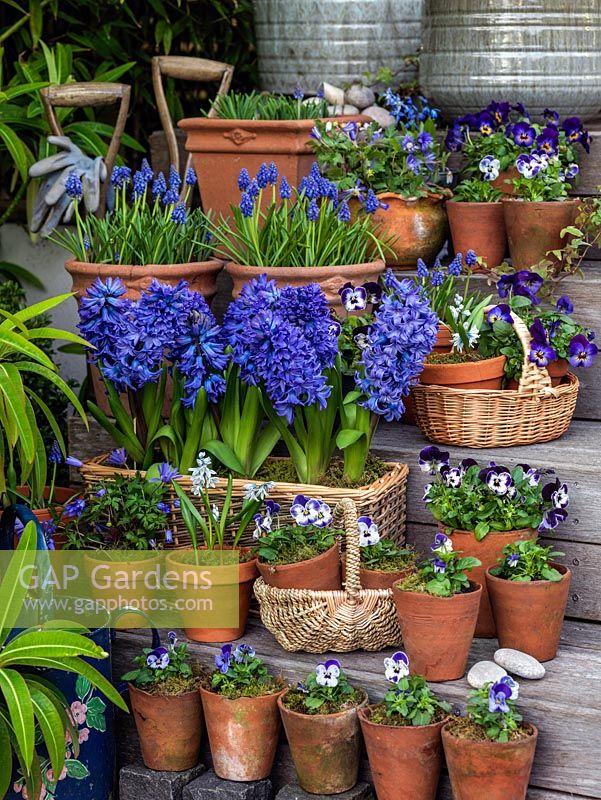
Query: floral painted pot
{"type": "Point", "coordinates": [479, 227]}
{"type": "Point", "coordinates": [320, 573]}
{"type": "Point", "coordinates": [534, 229]}
{"type": "Point", "coordinates": [484, 374]}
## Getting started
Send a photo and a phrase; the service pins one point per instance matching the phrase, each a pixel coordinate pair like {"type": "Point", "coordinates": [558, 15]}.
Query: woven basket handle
{"type": "Point", "coordinates": [533, 379]}
{"type": "Point", "coordinates": [347, 510]}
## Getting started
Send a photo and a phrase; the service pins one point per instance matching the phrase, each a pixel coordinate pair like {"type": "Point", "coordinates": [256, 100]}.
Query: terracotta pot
{"type": "Point", "coordinates": [61, 496]}
{"type": "Point", "coordinates": [489, 550]}
{"type": "Point", "coordinates": [484, 374]}
{"type": "Point", "coordinates": [420, 225]}
{"type": "Point", "coordinates": [404, 761]}
{"type": "Point", "coordinates": [533, 229]}
{"type": "Point", "coordinates": [321, 572]}
{"type": "Point", "coordinates": [377, 578]}
{"type": "Point", "coordinates": [200, 275]}
{"type": "Point", "coordinates": [557, 371]}
{"type": "Point", "coordinates": [247, 572]}
{"type": "Point", "coordinates": [502, 181]}
{"type": "Point", "coordinates": [479, 227]}
{"type": "Point", "coordinates": [529, 615]}
{"type": "Point", "coordinates": [437, 631]}
{"type": "Point", "coordinates": [221, 147]}
{"type": "Point", "coordinates": [243, 734]}
{"type": "Point", "coordinates": [491, 770]}
{"type": "Point", "coordinates": [325, 748]}
{"type": "Point", "coordinates": [331, 279]}
{"type": "Point", "coordinates": [444, 342]}
{"type": "Point", "coordinates": [169, 727]}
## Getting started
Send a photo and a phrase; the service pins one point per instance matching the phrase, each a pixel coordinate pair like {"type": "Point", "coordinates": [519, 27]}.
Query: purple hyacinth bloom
{"type": "Point", "coordinates": [74, 186]}
{"type": "Point", "coordinates": [523, 134]}
{"type": "Point", "coordinates": [436, 277]}
{"type": "Point", "coordinates": [564, 305]}
{"type": "Point", "coordinates": [262, 176]}
{"type": "Point", "coordinates": [500, 313]}
{"type": "Point", "coordinates": [272, 173]}
{"type": "Point", "coordinates": [455, 266]}
{"type": "Point", "coordinates": [371, 202]}
{"type": "Point", "coordinates": [498, 696]}
{"type": "Point", "coordinates": [170, 197]}
{"type": "Point", "coordinates": [313, 211]}
{"type": "Point", "coordinates": [431, 459]}
{"type": "Point", "coordinates": [175, 181]}
{"type": "Point", "coordinates": [55, 456]}
{"type": "Point", "coordinates": [422, 269]}
{"type": "Point", "coordinates": [158, 658]}
{"type": "Point", "coordinates": [354, 298]}
{"type": "Point", "coordinates": [499, 482]}
{"type": "Point", "coordinates": [285, 190]}
{"type": "Point", "coordinates": [120, 176]}
{"type": "Point", "coordinates": [344, 212]}
{"type": "Point", "coordinates": [159, 185]}
{"type": "Point", "coordinates": [74, 509]}
{"type": "Point", "coordinates": [146, 170]}
{"type": "Point", "coordinates": [117, 458]}
{"type": "Point", "coordinates": [190, 177]}
{"type": "Point", "coordinates": [581, 351]}
{"type": "Point", "coordinates": [140, 183]}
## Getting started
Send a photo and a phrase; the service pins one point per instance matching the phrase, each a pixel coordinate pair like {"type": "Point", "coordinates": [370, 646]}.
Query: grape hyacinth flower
{"type": "Point", "coordinates": [159, 185]}
{"type": "Point", "coordinates": [158, 658]}
{"type": "Point", "coordinates": [431, 459]}
{"type": "Point", "coordinates": [498, 696]}
{"type": "Point", "coordinates": [243, 179]}
{"type": "Point", "coordinates": [396, 667]}
{"type": "Point", "coordinates": [74, 186]}
{"type": "Point", "coordinates": [581, 351]}
{"type": "Point", "coordinates": [368, 532]}
{"type": "Point", "coordinates": [55, 456]}
{"type": "Point", "coordinates": [353, 298]}
{"type": "Point", "coordinates": [179, 215]}
{"type": "Point", "coordinates": [344, 212]}
{"type": "Point", "coordinates": [298, 93]}
{"type": "Point", "coordinates": [441, 544]}
{"type": "Point", "coordinates": [120, 177]}
{"type": "Point", "coordinates": [285, 190]}
{"type": "Point", "coordinates": [327, 674]}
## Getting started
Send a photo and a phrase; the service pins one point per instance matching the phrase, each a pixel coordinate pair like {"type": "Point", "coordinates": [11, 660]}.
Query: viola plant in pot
{"type": "Point", "coordinates": [303, 555]}
{"type": "Point", "coordinates": [402, 734]}
{"type": "Point", "coordinates": [437, 607]}
{"type": "Point", "coordinates": [299, 236]}
{"type": "Point", "coordinates": [166, 706]}
{"type": "Point", "coordinates": [528, 592]}
{"type": "Point", "coordinates": [489, 752]}
{"type": "Point", "coordinates": [322, 728]}
{"type": "Point", "coordinates": [485, 508]}
{"type": "Point", "coordinates": [240, 703]}
{"type": "Point", "coordinates": [382, 561]}
{"type": "Point", "coordinates": [392, 174]}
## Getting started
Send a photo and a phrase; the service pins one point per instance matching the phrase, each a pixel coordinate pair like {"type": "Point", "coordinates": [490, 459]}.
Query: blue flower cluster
{"type": "Point", "coordinates": [409, 110]}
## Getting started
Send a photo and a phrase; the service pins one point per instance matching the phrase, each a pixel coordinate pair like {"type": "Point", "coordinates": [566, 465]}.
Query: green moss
{"type": "Point", "coordinates": [379, 717]}
{"type": "Point", "coordinates": [174, 685]}
{"type": "Point", "coordinates": [256, 688]}
{"type": "Point", "coordinates": [282, 471]}
{"type": "Point", "coordinates": [295, 701]}
{"type": "Point", "coordinates": [413, 583]}
{"type": "Point", "coordinates": [453, 358]}
{"type": "Point", "coordinates": [465, 728]}
{"type": "Point", "coordinates": [294, 555]}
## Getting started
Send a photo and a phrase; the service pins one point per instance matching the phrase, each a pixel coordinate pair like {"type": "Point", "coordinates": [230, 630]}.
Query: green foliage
{"type": "Point", "coordinates": [265, 106]}
{"type": "Point", "coordinates": [546, 186]}
{"type": "Point", "coordinates": [241, 673]}
{"type": "Point", "coordinates": [476, 190]}
{"type": "Point", "coordinates": [293, 543]}
{"type": "Point", "coordinates": [385, 555]}
{"type": "Point", "coordinates": [527, 561]}
{"type": "Point", "coordinates": [497, 725]}
{"type": "Point", "coordinates": [414, 701]}
{"type": "Point", "coordinates": [445, 574]}
{"type": "Point", "coordinates": [177, 672]}
{"type": "Point", "coordinates": [333, 696]}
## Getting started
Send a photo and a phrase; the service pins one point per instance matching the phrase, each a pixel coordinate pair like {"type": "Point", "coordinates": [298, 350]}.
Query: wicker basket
{"type": "Point", "coordinates": [343, 620]}
{"type": "Point", "coordinates": [536, 412]}
{"type": "Point", "coordinates": [384, 500]}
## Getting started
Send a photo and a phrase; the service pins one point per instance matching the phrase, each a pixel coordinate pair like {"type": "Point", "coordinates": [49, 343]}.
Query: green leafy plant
{"type": "Point", "coordinates": [163, 670]}
{"type": "Point", "coordinates": [311, 534]}
{"type": "Point", "coordinates": [28, 701]}
{"type": "Point", "coordinates": [265, 106]}
{"type": "Point", "coordinates": [325, 691]}
{"type": "Point", "coordinates": [493, 710]}
{"type": "Point", "coordinates": [386, 556]}
{"type": "Point", "coordinates": [527, 561]}
{"type": "Point", "coordinates": [444, 574]}
{"type": "Point", "coordinates": [241, 673]}
{"type": "Point", "coordinates": [476, 190]}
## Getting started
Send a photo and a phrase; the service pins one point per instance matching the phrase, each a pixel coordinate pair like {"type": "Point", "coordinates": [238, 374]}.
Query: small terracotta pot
{"type": "Point", "coordinates": [444, 342]}
{"type": "Point", "coordinates": [419, 225]}
{"type": "Point", "coordinates": [479, 227]}
{"type": "Point", "coordinates": [533, 229]}
{"type": "Point", "coordinates": [557, 371]}
{"type": "Point", "coordinates": [503, 181]}
{"type": "Point", "coordinates": [325, 748]}
{"type": "Point", "coordinates": [61, 496]}
{"type": "Point", "coordinates": [320, 573]}
{"type": "Point", "coordinates": [489, 550]}
{"type": "Point", "coordinates": [330, 279]}
{"type": "Point", "coordinates": [243, 734]}
{"type": "Point", "coordinates": [437, 631]}
{"type": "Point", "coordinates": [491, 770]}
{"type": "Point", "coordinates": [247, 573]}
{"type": "Point", "coordinates": [200, 275]}
{"type": "Point", "coordinates": [529, 615]}
{"type": "Point", "coordinates": [485, 374]}
{"type": "Point", "coordinates": [377, 578]}
{"type": "Point", "coordinates": [169, 727]}
{"type": "Point", "coordinates": [404, 760]}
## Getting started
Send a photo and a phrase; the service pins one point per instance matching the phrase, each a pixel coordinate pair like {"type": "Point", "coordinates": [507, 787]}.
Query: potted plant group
{"type": "Point", "coordinates": [248, 129]}
{"type": "Point", "coordinates": [394, 175]}
{"type": "Point", "coordinates": [437, 607]}
{"type": "Point", "coordinates": [402, 734]}
{"type": "Point", "coordinates": [483, 509]}
{"type": "Point", "coordinates": [322, 727]}
{"type": "Point", "coordinates": [297, 236]}
{"type": "Point", "coordinates": [489, 752]}
{"type": "Point", "coordinates": [240, 704]}
{"type": "Point", "coordinates": [166, 706]}
{"type": "Point", "coordinates": [528, 593]}
{"type": "Point", "coordinates": [301, 555]}
{"type": "Point", "coordinates": [148, 233]}
{"type": "Point", "coordinates": [382, 561]}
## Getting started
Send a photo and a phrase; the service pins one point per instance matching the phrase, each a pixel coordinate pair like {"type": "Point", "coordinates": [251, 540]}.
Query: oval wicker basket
{"type": "Point", "coordinates": [343, 620]}
{"type": "Point", "coordinates": [535, 412]}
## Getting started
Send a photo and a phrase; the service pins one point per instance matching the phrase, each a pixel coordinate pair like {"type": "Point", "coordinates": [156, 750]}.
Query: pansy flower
{"type": "Point", "coordinates": [302, 510]}
{"type": "Point", "coordinates": [441, 544]}
{"type": "Point", "coordinates": [498, 695]}
{"type": "Point", "coordinates": [499, 482]}
{"type": "Point", "coordinates": [327, 674]}
{"type": "Point", "coordinates": [523, 134]}
{"type": "Point", "coordinates": [439, 565]}
{"type": "Point", "coordinates": [465, 464]}
{"type": "Point", "coordinates": [556, 493]}
{"type": "Point", "coordinates": [223, 659]}
{"type": "Point", "coordinates": [431, 459]}
{"type": "Point", "coordinates": [396, 667]}
{"type": "Point", "coordinates": [485, 123]}
{"type": "Point", "coordinates": [552, 518]}
{"type": "Point", "coordinates": [548, 141]}
{"type": "Point", "coordinates": [500, 111]}
{"type": "Point", "coordinates": [513, 685]}
{"type": "Point", "coordinates": [321, 513]}
{"type": "Point", "coordinates": [242, 651]}
{"type": "Point", "coordinates": [368, 532]}
{"type": "Point", "coordinates": [158, 658]}
{"type": "Point", "coordinates": [452, 477]}
{"type": "Point", "coordinates": [552, 117]}
{"type": "Point", "coordinates": [489, 167]}
{"type": "Point", "coordinates": [500, 313]}
{"type": "Point", "coordinates": [354, 298]}
{"type": "Point", "coordinates": [513, 560]}
{"type": "Point", "coordinates": [581, 351]}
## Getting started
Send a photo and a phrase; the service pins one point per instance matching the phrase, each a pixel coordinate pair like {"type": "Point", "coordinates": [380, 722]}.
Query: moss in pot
{"type": "Point", "coordinates": [382, 561]}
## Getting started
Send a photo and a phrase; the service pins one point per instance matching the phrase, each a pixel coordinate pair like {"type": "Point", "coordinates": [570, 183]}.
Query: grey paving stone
{"type": "Point", "coordinates": [137, 782]}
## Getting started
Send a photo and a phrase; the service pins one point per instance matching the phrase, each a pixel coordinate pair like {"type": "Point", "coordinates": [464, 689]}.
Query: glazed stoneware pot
{"type": "Point", "coordinates": [484, 374]}
{"type": "Point", "coordinates": [437, 631]}
{"type": "Point", "coordinates": [320, 573]}
{"type": "Point", "coordinates": [419, 224]}
{"type": "Point", "coordinates": [488, 550]}
{"type": "Point", "coordinates": [330, 279]}
{"type": "Point", "coordinates": [243, 734]}
{"type": "Point", "coordinates": [479, 227]}
{"type": "Point", "coordinates": [325, 748]}
{"type": "Point", "coordinates": [491, 770]}
{"type": "Point", "coordinates": [529, 615]}
{"type": "Point", "coordinates": [533, 229]}
{"type": "Point", "coordinates": [377, 578]}
{"type": "Point", "coordinates": [404, 760]}
{"type": "Point", "coordinates": [221, 147]}
{"type": "Point", "coordinates": [169, 727]}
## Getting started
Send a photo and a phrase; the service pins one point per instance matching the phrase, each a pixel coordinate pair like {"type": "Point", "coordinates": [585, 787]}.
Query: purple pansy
{"type": "Point", "coordinates": [564, 305]}
{"type": "Point", "coordinates": [354, 298]}
{"type": "Point", "coordinates": [158, 658]}
{"type": "Point", "coordinates": [498, 696]}
{"type": "Point", "coordinates": [431, 459]}
{"type": "Point", "coordinates": [368, 531]}
{"type": "Point", "coordinates": [523, 134]}
{"type": "Point", "coordinates": [439, 565]}
{"type": "Point", "coordinates": [441, 544]}
{"type": "Point", "coordinates": [581, 351]}
{"type": "Point", "coordinates": [499, 481]}
{"type": "Point", "coordinates": [396, 666]}
{"type": "Point", "coordinates": [224, 659]}
{"type": "Point", "coordinates": [500, 313]}
{"type": "Point", "coordinates": [327, 674]}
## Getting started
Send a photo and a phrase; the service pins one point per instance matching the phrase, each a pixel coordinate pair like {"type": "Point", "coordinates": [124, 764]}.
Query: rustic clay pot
{"type": "Point", "coordinates": [503, 181]}
{"type": "Point", "coordinates": [320, 573]}
{"type": "Point", "coordinates": [444, 342]}
{"type": "Point", "coordinates": [61, 496]}
{"type": "Point", "coordinates": [404, 760]}
{"type": "Point", "coordinates": [479, 227]}
{"type": "Point", "coordinates": [221, 147]}
{"type": "Point", "coordinates": [529, 615]}
{"type": "Point", "coordinates": [243, 734]}
{"type": "Point", "coordinates": [491, 770]}
{"type": "Point", "coordinates": [419, 225]}
{"type": "Point", "coordinates": [330, 279]}
{"type": "Point", "coordinates": [247, 572]}
{"type": "Point", "coordinates": [489, 550]}
{"type": "Point", "coordinates": [557, 371]}
{"type": "Point", "coordinates": [169, 727]}
{"type": "Point", "coordinates": [437, 631]}
{"type": "Point", "coordinates": [325, 748]}
{"type": "Point", "coordinates": [377, 578]}
{"type": "Point", "coordinates": [200, 275]}
{"type": "Point", "coordinates": [484, 374]}
{"type": "Point", "coordinates": [533, 229]}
